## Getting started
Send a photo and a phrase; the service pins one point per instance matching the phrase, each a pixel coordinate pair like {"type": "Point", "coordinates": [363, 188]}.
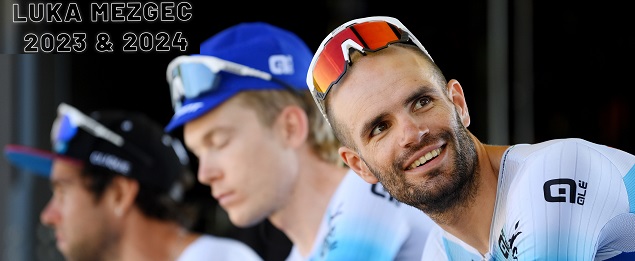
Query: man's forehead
{"type": "Point", "coordinates": [210, 119]}
{"type": "Point", "coordinates": [66, 168]}
{"type": "Point", "coordinates": [378, 82]}
{"type": "Point", "coordinates": [383, 74]}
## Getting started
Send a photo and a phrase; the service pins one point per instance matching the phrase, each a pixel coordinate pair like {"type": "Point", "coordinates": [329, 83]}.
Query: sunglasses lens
{"type": "Point", "coordinates": [67, 129]}
{"type": "Point", "coordinates": [196, 78]}
{"type": "Point", "coordinates": [63, 131]}
{"type": "Point", "coordinates": [191, 79]}
{"type": "Point", "coordinates": [331, 63]}
{"type": "Point", "coordinates": [377, 35]}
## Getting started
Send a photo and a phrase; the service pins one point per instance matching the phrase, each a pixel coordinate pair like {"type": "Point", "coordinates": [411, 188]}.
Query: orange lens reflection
{"type": "Point", "coordinates": [376, 35]}
{"type": "Point", "coordinates": [331, 64]}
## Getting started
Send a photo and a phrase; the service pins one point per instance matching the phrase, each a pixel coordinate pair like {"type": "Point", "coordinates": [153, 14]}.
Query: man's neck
{"type": "Point", "coordinates": [150, 239]}
{"type": "Point", "coordinates": [300, 218]}
{"type": "Point", "coordinates": [472, 222]}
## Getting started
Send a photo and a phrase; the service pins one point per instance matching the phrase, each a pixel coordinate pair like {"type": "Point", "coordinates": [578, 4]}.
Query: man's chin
{"type": "Point", "coordinates": [244, 221]}
{"type": "Point", "coordinates": [435, 200]}
{"type": "Point", "coordinates": [62, 248]}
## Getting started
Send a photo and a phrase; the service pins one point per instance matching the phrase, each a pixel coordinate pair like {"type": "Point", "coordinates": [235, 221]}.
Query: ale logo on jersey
{"type": "Point", "coordinates": [507, 247]}
{"type": "Point", "coordinates": [379, 190]}
{"type": "Point", "coordinates": [565, 190]}
{"type": "Point", "coordinates": [330, 241]}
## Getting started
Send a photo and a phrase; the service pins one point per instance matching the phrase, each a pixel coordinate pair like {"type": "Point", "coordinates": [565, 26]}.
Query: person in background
{"type": "Point", "coordinates": [267, 153]}
{"type": "Point", "coordinates": [118, 182]}
{"type": "Point", "coordinates": [404, 125]}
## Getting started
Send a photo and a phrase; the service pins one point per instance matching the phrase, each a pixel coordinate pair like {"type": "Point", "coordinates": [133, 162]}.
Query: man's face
{"type": "Point", "coordinates": [409, 131]}
{"type": "Point", "coordinates": [82, 227]}
{"type": "Point", "coordinates": [250, 169]}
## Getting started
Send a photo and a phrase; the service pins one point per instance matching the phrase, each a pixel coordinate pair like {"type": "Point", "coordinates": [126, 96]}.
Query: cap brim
{"type": "Point", "coordinates": [33, 160]}
{"type": "Point", "coordinates": [194, 108]}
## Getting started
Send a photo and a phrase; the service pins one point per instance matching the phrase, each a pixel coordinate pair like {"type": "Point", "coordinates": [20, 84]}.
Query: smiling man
{"type": "Point", "coordinates": [266, 152]}
{"type": "Point", "coordinates": [404, 125]}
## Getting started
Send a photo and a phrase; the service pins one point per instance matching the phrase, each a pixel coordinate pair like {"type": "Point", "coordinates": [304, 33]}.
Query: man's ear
{"type": "Point", "coordinates": [294, 126]}
{"type": "Point", "coordinates": [121, 194]}
{"type": "Point", "coordinates": [353, 160]}
{"type": "Point", "coordinates": [458, 98]}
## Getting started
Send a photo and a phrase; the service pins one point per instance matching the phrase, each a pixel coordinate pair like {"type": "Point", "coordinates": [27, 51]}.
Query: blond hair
{"type": "Point", "coordinates": [269, 103]}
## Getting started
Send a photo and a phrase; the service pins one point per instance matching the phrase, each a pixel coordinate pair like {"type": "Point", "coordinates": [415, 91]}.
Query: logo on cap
{"type": "Point", "coordinates": [110, 161]}
{"type": "Point", "coordinates": [281, 64]}
{"type": "Point", "coordinates": [192, 107]}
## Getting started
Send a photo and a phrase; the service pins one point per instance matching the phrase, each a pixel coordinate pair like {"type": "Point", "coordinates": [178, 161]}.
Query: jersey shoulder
{"type": "Point", "coordinates": [218, 248]}
{"type": "Point", "coordinates": [570, 148]}
{"type": "Point", "coordinates": [364, 222]}
{"type": "Point", "coordinates": [443, 246]}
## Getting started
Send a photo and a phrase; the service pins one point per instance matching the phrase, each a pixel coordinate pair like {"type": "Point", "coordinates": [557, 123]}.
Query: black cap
{"type": "Point", "coordinates": [124, 142]}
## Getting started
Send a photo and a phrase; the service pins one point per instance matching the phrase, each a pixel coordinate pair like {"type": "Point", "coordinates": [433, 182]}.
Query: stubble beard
{"type": "Point", "coordinates": [445, 194]}
{"type": "Point", "coordinates": [96, 248]}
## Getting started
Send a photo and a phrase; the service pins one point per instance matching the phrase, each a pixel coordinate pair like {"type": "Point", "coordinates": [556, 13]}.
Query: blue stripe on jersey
{"type": "Point", "coordinates": [456, 252]}
{"type": "Point", "coordinates": [625, 256]}
{"type": "Point", "coordinates": [629, 181]}
{"type": "Point", "coordinates": [352, 239]}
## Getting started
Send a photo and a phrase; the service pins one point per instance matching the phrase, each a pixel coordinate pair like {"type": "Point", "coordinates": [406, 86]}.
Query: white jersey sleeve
{"type": "Point", "coordinates": [208, 247]}
{"type": "Point", "coordinates": [566, 199]}
{"type": "Point", "coordinates": [363, 222]}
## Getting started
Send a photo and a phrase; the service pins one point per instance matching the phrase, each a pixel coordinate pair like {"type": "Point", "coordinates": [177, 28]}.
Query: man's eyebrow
{"type": "Point", "coordinates": [418, 93]}
{"type": "Point", "coordinates": [421, 91]}
{"type": "Point", "coordinates": [216, 130]}
{"type": "Point", "coordinates": [211, 132]}
{"type": "Point", "coordinates": [59, 182]}
{"type": "Point", "coordinates": [370, 124]}
{"type": "Point", "coordinates": [208, 134]}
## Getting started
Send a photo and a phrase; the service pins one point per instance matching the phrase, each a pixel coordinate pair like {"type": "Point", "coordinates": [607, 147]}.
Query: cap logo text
{"type": "Point", "coordinates": [192, 107]}
{"type": "Point", "coordinates": [281, 64]}
{"type": "Point", "coordinates": [110, 161]}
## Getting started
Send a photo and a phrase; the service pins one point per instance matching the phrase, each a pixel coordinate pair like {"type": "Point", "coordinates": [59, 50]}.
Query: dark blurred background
{"type": "Point", "coordinates": [531, 71]}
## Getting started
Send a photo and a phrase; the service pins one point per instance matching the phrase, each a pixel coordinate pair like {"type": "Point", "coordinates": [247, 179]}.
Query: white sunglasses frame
{"type": "Point", "coordinates": [88, 124]}
{"type": "Point", "coordinates": [95, 129]}
{"type": "Point", "coordinates": [215, 64]}
{"type": "Point", "coordinates": [346, 45]}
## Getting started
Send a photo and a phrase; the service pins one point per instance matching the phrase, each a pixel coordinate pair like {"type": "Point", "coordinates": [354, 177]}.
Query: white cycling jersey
{"type": "Point", "coordinates": [208, 247]}
{"type": "Point", "coordinates": [363, 222]}
{"type": "Point", "coordinates": [566, 199]}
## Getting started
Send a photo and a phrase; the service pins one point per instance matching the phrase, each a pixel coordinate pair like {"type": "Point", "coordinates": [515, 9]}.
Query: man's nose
{"type": "Point", "coordinates": [208, 171]}
{"type": "Point", "coordinates": [412, 132]}
{"type": "Point", "coordinates": [49, 215]}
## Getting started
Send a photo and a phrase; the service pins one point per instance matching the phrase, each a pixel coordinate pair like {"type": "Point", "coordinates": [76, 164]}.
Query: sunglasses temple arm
{"type": "Point", "coordinates": [246, 71]}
